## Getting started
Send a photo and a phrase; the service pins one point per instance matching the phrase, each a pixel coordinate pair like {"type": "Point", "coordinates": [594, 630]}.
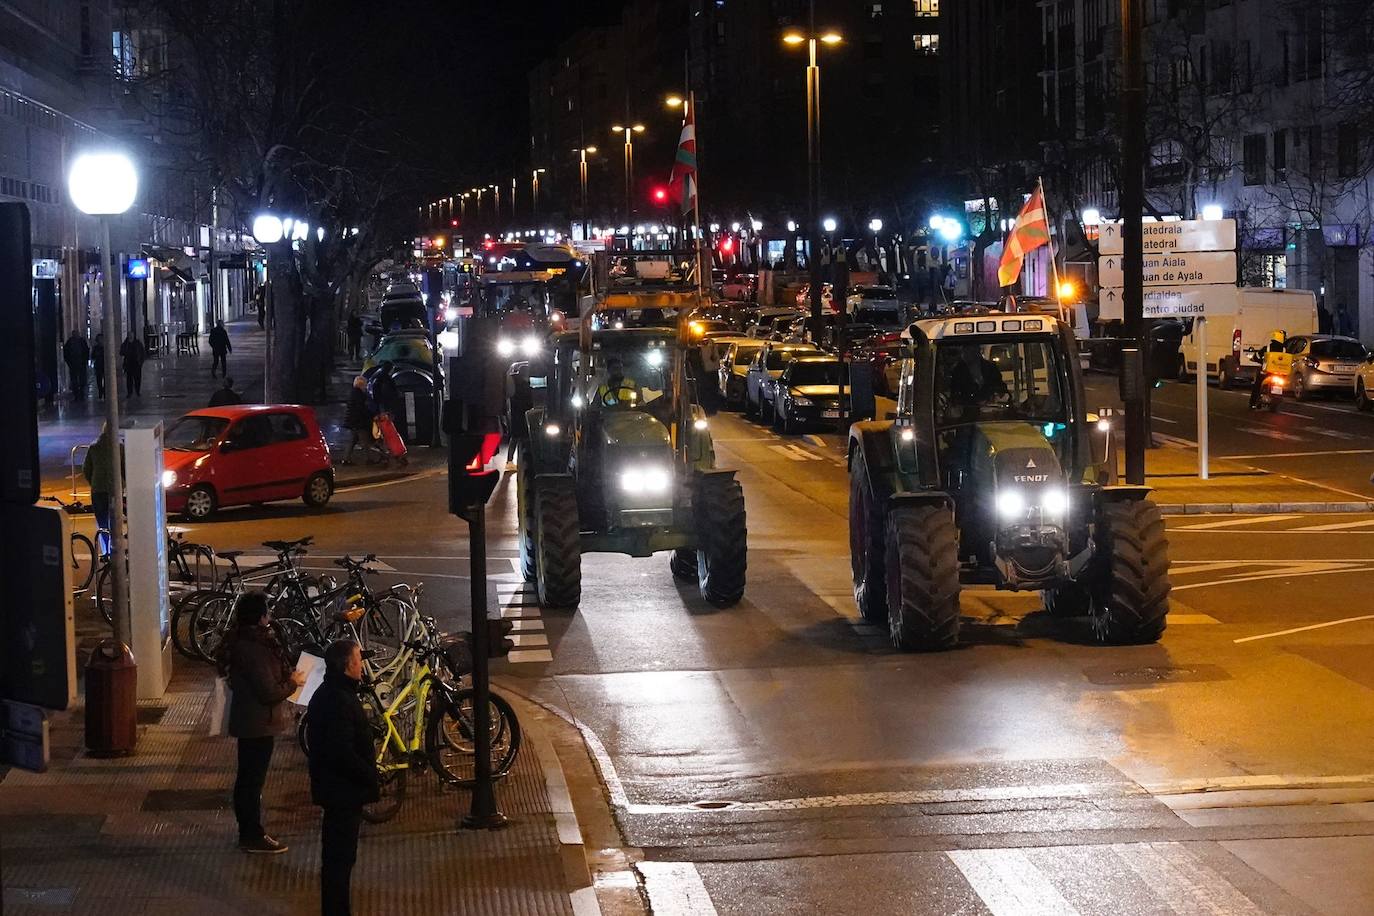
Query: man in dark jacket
{"type": "Point", "coordinates": [221, 348]}
{"type": "Point", "coordinates": [225, 396]}
{"type": "Point", "coordinates": [77, 354]}
{"type": "Point", "coordinates": [355, 336]}
{"type": "Point", "coordinates": [343, 770]}
{"type": "Point", "coordinates": [133, 353]}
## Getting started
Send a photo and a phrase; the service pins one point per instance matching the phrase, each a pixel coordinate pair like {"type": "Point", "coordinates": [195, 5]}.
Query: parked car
{"type": "Point", "coordinates": [807, 392]}
{"type": "Point", "coordinates": [225, 456]}
{"type": "Point", "coordinates": [1324, 363]}
{"type": "Point", "coordinates": [767, 319]}
{"type": "Point", "coordinates": [767, 365]}
{"type": "Point", "coordinates": [733, 371]}
{"type": "Point", "coordinates": [827, 297]}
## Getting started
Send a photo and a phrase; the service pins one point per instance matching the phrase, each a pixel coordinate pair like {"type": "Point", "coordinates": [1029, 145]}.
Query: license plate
{"type": "Point", "coordinates": [1345, 368]}
{"type": "Point", "coordinates": [831, 414]}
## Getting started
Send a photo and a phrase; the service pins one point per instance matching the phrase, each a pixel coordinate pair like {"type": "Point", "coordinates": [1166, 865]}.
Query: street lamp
{"type": "Point", "coordinates": [534, 187]}
{"type": "Point", "coordinates": [104, 185]}
{"type": "Point", "coordinates": [629, 131]}
{"type": "Point", "coordinates": [496, 203]}
{"type": "Point", "coordinates": [269, 229]}
{"type": "Point", "coordinates": [674, 101]}
{"type": "Point", "coordinates": [582, 153]}
{"type": "Point", "coordinates": [813, 148]}
{"type": "Point", "coordinates": [1212, 211]}
{"type": "Point", "coordinates": [829, 225]}
{"type": "Point", "coordinates": [875, 225]}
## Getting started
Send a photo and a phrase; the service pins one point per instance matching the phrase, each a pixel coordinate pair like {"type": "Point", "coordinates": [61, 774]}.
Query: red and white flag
{"type": "Point", "coordinates": [1031, 231]}
{"type": "Point", "coordinates": [682, 183]}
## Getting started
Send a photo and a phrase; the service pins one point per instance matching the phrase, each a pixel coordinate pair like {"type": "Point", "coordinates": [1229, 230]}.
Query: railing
{"type": "Point", "coordinates": [83, 446]}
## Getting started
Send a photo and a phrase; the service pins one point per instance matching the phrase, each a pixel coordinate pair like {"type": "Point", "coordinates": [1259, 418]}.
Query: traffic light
{"type": "Point", "coordinates": [453, 223]}
{"type": "Point", "coordinates": [470, 484]}
{"type": "Point", "coordinates": [660, 196]}
{"type": "Point", "coordinates": [727, 244]}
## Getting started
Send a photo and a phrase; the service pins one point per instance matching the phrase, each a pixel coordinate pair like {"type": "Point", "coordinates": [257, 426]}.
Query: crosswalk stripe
{"type": "Point", "coordinates": [529, 639]}
{"type": "Point", "coordinates": [1339, 526]}
{"type": "Point", "coordinates": [675, 889]}
{"type": "Point", "coordinates": [520, 656]}
{"type": "Point", "coordinates": [1235, 522]}
{"type": "Point", "coordinates": [528, 625]}
{"type": "Point", "coordinates": [1185, 884]}
{"type": "Point", "coordinates": [1269, 433]}
{"type": "Point", "coordinates": [1009, 883]}
{"type": "Point", "coordinates": [795, 453]}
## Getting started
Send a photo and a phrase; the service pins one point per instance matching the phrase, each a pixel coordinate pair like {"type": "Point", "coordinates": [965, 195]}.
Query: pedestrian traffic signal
{"type": "Point", "coordinates": [470, 483]}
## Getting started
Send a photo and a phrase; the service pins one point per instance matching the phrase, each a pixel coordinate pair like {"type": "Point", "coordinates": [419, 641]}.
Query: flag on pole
{"type": "Point", "coordinates": [682, 183]}
{"type": "Point", "coordinates": [1031, 231]}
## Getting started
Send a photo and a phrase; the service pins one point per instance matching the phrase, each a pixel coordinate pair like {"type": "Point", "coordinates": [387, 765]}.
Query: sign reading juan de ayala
{"type": "Point", "coordinates": [1189, 268]}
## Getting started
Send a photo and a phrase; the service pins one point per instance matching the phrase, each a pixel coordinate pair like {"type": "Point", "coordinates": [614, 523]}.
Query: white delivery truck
{"type": "Point", "coordinates": [1258, 313]}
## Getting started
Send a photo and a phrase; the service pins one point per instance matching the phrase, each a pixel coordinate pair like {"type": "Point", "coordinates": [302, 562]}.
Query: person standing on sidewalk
{"type": "Point", "coordinates": [133, 353]}
{"type": "Point", "coordinates": [260, 678]}
{"type": "Point", "coordinates": [220, 348]}
{"type": "Point", "coordinates": [98, 365]}
{"type": "Point", "coordinates": [98, 469]}
{"type": "Point", "coordinates": [77, 354]}
{"type": "Point", "coordinates": [343, 770]}
{"type": "Point", "coordinates": [355, 336]}
{"type": "Point", "coordinates": [225, 396]}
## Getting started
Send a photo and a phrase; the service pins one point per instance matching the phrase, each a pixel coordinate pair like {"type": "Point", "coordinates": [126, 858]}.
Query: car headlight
{"type": "Point", "coordinates": [1011, 504]}
{"type": "Point", "coordinates": [530, 346]}
{"type": "Point", "coordinates": [450, 314]}
{"type": "Point", "coordinates": [169, 479]}
{"type": "Point", "coordinates": [801, 401]}
{"type": "Point", "coordinates": [448, 341]}
{"type": "Point", "coordinates": [1054, 503]}
{"type": "Point", "coordinates": [645, 480]}
{"type": "Point", "coordinates": [505, 347]}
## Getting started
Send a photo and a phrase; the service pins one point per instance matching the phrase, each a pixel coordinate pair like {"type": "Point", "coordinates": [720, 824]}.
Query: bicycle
{"type": "Point", "coordinates": [211, 611]}
{"type": "Point", "coordinates": [428, 721]}
{"type": "Point", "coordinates": [188, 564]}
{"type": "Point", "coordinates": [81, 550]}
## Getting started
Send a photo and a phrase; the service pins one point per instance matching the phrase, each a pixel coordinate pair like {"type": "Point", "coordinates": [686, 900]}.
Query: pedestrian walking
{"type": "Point", "coordinates": [220, 348]}
{"type": "Point", "coordinates": [260, 305]}
{"type": "Point", "coordinates": [358, 418]}
{"type": "Point", "coordinates": [260, 679]}
{"type": "Point", "coordinates": [225, 396]}
{"type": "Point", "coordinates": [1323, 318]}
{"type": "Point", "coordinates": [343, 770]}
{"type": "Point", "coordinates": [355, 336]}
{"type": "Point", "coordinates": [76, 354]}
{"type": "Point", "coordinates": [1345, 327]}
{"type": "Point", "coordinates": [386, 404]}
{"type": "Point", "coordinates": [98, 469]}
{"type": "Point", "coordinates": [133, 353]}
{"type": "Point", "coordinates": [98, 366]}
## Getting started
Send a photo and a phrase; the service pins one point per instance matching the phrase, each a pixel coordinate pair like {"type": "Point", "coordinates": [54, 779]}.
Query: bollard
{"type": "Point", "coordinates": [111, 701]}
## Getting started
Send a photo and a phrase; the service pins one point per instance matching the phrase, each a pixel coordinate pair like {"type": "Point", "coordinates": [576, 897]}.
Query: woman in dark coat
{"type": "Point", "coordinates": [260, 678]}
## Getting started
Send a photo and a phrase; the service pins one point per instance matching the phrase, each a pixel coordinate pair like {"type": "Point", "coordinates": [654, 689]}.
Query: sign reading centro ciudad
{"type": "Point", "coordinates": [1189, 268]}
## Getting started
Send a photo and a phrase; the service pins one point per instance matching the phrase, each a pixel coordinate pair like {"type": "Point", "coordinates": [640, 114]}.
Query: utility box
{"type": "Point", "coordinates": [150, 627]}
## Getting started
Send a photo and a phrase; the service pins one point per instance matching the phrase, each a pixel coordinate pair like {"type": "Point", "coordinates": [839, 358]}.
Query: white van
{"type": "Point", "coordinates": [1259, 312]}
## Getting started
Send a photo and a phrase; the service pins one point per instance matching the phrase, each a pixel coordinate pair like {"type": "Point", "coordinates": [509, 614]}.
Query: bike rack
{"type": "Point", "coordinates": [76, 448]}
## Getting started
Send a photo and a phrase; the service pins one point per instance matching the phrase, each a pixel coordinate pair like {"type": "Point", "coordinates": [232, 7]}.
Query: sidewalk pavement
{"type": "Point", "coordinates": [154, 833]}
{"type": "Point", "coordinates": [176, 383]}
{"type": "Point", "coordinates": [1234, 487]}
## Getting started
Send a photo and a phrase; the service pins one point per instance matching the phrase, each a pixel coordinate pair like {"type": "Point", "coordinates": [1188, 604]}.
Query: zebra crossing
{"type": "Point", "coordinates": [517, 603]}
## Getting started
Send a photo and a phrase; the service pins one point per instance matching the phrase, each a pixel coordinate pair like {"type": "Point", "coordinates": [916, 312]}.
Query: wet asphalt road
{"type": "Point", "coordinates": [779, 757]}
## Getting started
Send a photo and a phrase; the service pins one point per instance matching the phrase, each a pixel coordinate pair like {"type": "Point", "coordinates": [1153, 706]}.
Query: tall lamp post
{"type": "Point", "coordinates": [534, 192]}
{"type": "Point", "coordinates": [629, 131]}
{"type": "Point", "coordinates": [813, 153]}
{"type": "Point", "coordinates": [496, 204]}
{"type": "Point", "coordinates": [582, 153]}
{"type": "Point", "coordinates": [268, 229]}
{"type": "Point", "coordinates": [104, 185]}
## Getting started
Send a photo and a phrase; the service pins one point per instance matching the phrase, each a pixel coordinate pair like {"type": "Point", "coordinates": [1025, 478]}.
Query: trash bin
{"type": "Point", "coordinates": [111, 700]}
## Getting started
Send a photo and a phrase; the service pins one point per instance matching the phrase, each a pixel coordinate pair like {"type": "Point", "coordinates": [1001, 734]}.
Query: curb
{"type": "Point", "coordinates": [1262, 508]}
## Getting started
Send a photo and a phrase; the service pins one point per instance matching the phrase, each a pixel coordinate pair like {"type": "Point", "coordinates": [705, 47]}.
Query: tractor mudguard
{"type": "Point", "coordinates": [871, 443]}
{"type": "Point", "coordinates": [921, 498]}
{"type": "Point", "coordinates": [1123, 493]}
{"type": "Point", "coordinates": [712, 472]}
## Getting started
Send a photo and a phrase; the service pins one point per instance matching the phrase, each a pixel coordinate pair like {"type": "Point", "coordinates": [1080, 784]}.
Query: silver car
{"type": "Point", "coordinates": [1324, 363]}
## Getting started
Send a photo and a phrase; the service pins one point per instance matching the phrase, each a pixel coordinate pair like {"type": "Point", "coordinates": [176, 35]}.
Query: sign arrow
{"type": "Point", "coordinates": [1111, 263]}
{"type": "Point", "coordinates": [1111, 295]}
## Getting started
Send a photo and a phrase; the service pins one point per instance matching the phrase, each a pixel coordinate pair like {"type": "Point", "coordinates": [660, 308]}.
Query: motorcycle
{"type": "Point", "coordinates": [1272, 385]}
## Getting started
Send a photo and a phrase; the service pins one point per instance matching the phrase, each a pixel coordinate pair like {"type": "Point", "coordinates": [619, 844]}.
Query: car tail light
{"type": "Point", "coordinates": [1235, 341]}
{"type": "Point", "coordinates": [1312, 362]}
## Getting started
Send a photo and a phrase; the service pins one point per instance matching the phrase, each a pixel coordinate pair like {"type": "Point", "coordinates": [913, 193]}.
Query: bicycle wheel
{"type": "Point", "coordinates": [209, 623]}
{"type": "Point", "coordinates": [84, 562]}
{"type": "Point", "coordinates": [193, 565]}
{"type": "Point", "coordinates": [182, 614]}
{"type": "Point", "coordinates": [393, 793]}
{"type": "Point", "coordinates": [301, 740]}
{"type": "Point", "coordinates": [104, 590]}
{"type": "Point", "coordinates": [448, 737]}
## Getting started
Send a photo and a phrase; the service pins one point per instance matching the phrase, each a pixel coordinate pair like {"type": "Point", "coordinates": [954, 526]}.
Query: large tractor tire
{"type": "Point", "coordinates": [722, 539]}
{"type": "Point", "coordinates": [524, 502]}
{"type": "Point", "coordinates": [683, 564]}
{"type": "Point", "coordinates": [1131, 582]}
{"type": "Point", "coordinates": [922, 578]}
{"type": "Point", "coordinates": [866, 550]}
{"type": "Point", "coordinates": [558, 547]}
{"type": "Point", "coordinates": [1072, 599]}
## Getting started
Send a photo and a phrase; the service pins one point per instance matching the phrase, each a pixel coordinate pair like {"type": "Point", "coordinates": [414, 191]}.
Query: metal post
{"type": "Point", "coordinates": [482, 813]}
{"type": "Point", "coordinates": [118, 547]}
{"type": "Point", "coordinates": [629, 177]}
{"type": "Point", "coordinates": [582, 175]}
{"type": "Point", "coordinates": [813, 183]}
{"type": "Point", "coordinates": [1200, 329]}
{"type": "Point", "coordinates": [1132, 204]}
{"type": "Point", "coordinates": [268, 303]}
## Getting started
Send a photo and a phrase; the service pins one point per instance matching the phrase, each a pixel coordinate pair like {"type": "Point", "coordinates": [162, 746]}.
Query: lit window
{"type": "Point", "coordinates": [925, 8]}
{"type": "Point", "coordinates": [926, 44]}
{"type": "Point", "coordinates": [875, 10]}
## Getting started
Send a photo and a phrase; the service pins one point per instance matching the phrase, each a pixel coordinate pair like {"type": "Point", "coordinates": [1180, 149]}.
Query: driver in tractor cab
{"type": "Point", "coordinates": [1270, 365]}
{"type": "Point", "coordinates": [619, 390]}
{"type": "Point", "coordinates": [974, 381]}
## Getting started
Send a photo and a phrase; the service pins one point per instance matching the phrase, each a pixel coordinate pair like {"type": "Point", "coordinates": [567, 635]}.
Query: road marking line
{"type": "Point", "coordinates": [796, 453]}
{"type": "Point", "coordinates": [528, 625]}
{"type": "Point", "coordinates": [1009, 884]}
{"type": "Point", "coordinates": [1158, 418]}
{"type": "Point", "coordinates": [1175, 441]}
{"type": "Point", "coordinates": [1183, 883]}
{"type": "Point", "coordinates": [901, 797]}
{"type": "Point", "coordinates": [1339, 526]}
{"type": "Point", "coordinates": [529, 639]}
{"type": "Point", "coordinates": [1314, 626]}
{"type": "Point", "coordinates": [675, 889]}
{"type": "Point", "coordinates": [1312, 569]}
{"type": "Point", "coordinates": [815, 440]}
{"type": "Point", "coordinates": [520, 610]}
{"type": "Point", "coordinates": [1268, 433]}
{"type": "Point", "coordinates": [520, 656]}
{"type": "Point", "coordinates": [1335, 434]}
{"type": "Point", "coordinates": [1205, 784]}
{"type": "Point", "coordinates": [1316, 454]}
{"type": "Point", "coordinates": [1235, 522]}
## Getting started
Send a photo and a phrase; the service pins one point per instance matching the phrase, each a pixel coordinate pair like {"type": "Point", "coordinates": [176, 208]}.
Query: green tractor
{"type": "Point", "coordinates": [993, 472]}
{"type": "Point", "coordinates": [619, 459]}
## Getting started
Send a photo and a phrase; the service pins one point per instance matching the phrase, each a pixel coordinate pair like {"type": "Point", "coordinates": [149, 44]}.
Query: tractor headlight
{"type": "Point", "coordinates": [530, 346]}
{"type": "Point", "coordinates": [1054, 503]}
{"type": "Point", "coordinates": [654, 357]}
{"type": "Point", "coordinates": [642, 480]}
{"type": "Point", "coordinates": [169, 479]}
{"type": "Point", "coordinates": [505, 347]}
{"type": "Point", "coordinates": [1011, 504]}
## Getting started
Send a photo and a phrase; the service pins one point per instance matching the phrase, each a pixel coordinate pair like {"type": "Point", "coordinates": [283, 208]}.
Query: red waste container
{"type": "Point", "coordinates": [111, 700]}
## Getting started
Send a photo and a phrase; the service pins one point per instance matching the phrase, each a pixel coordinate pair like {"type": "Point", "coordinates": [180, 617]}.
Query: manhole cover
{"type": "Point", "coordinates": [712, 805]}
{"type": "Point", "coordinates": [1151, 675]}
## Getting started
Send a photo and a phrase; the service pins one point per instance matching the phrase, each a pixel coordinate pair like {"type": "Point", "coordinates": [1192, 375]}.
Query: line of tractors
{"type": "Point", "coordinates": [990, 471]}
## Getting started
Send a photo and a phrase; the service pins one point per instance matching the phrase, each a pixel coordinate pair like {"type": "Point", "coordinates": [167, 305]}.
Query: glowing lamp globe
{"type": "Point", "coordinates": [102, 184]}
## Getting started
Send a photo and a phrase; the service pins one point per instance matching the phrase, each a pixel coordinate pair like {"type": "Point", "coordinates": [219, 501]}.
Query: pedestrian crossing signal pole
{"type": "Point", "coordinates": [472, 421]}
{"type": "Point", "coordinates": [1133, 363]}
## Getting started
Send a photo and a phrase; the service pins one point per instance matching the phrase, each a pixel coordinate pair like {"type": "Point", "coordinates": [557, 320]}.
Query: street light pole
{"type": "Point", "coordinates": [534, 193]}
{"type": "Point", "coordinates": [1132, 257]}
{"type": "Point", "coordinates": [118, 549]}
{"type": "Point", "coordinates": [813, 181]}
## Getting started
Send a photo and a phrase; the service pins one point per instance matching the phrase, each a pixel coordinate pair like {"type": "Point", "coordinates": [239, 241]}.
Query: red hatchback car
{"type": "Point", "coordinates": [225, 456]}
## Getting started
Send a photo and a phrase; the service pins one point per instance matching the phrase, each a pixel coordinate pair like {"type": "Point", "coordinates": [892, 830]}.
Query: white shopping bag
{"type": "Point", "coordinates": [219, 707]}
{"type": "Point", "coordinates": [312, 666]}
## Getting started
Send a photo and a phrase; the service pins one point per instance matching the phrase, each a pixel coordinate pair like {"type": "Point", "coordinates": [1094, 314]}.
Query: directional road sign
{"type": "Point", "coordinates": [1175, 301]}
{"type": "Point", "coordinates": [1178, 235]}
{"type": "Point", "coordinates": [1173, 269]}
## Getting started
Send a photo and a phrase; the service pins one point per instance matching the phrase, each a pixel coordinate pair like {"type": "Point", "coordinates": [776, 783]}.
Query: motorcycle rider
{"type": "Point", "coordinates": [1268, 365]}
